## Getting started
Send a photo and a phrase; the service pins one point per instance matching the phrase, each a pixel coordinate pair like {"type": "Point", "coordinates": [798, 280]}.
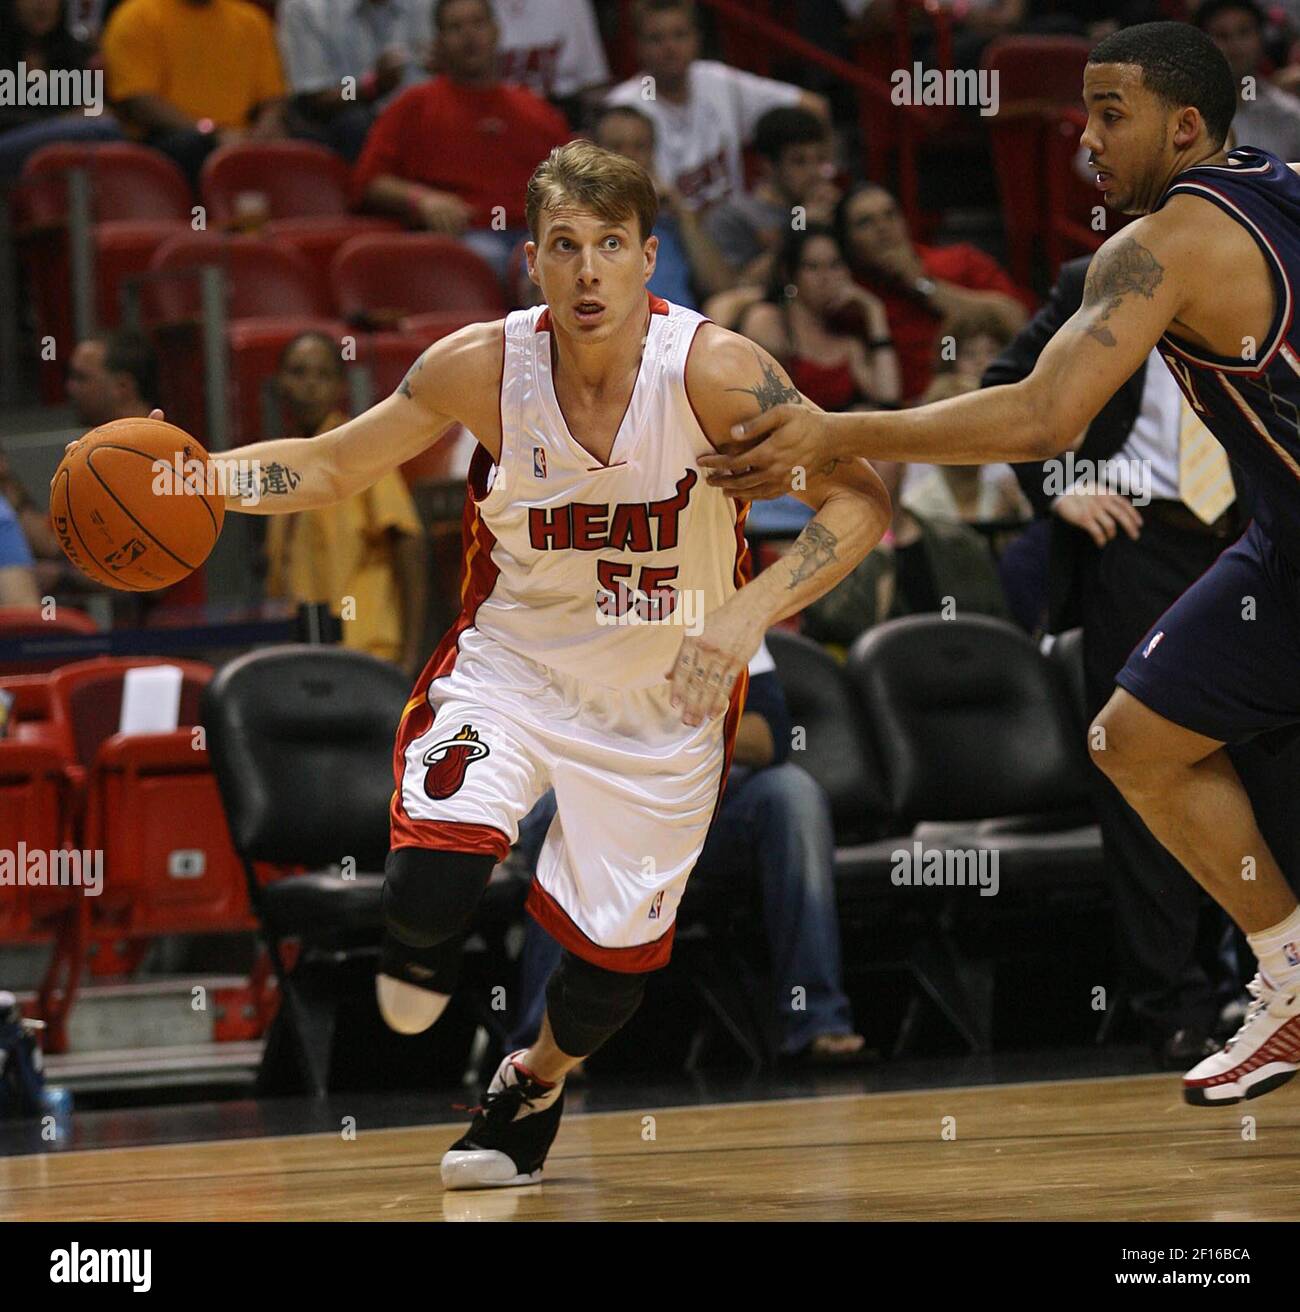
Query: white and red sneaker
{"type": "Point", "coordinates": [1263, 1054]}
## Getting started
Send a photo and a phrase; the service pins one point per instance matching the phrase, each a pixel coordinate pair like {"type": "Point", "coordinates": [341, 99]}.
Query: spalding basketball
{"type": "Point", "coordinates": [135, 504]}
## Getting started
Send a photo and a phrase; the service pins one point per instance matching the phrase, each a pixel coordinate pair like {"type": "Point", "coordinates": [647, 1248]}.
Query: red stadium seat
{"type": "Point", "coordinates": [262, 278]}
{"type": "Point", "coordinates": [295, 178]}
{"type": "Point", "coordinates": [127, 182]}
{"type": "Point", "coordinates": [32, 788]}
{"type": "Point", "coordinates": [318, 238]}
{"type": "Point", "coordinates": [304, 190]}
{"type": "Point", "coordinates": [1035, 73]}
{"type": "Point", "coordinates": [391, 277]}
{"type": "Point", "coordinates": [138, 199]}
{"type": "Point", "coordinates": [151, 807]}
{"type": "Point", "coordinates": [272, 294]}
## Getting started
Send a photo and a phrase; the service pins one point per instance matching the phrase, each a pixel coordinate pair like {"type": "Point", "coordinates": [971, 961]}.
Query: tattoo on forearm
{"type": "Point", "coordinates": [404, 387]}
{"type": "Point", "coordinates": [279, 480]}
{"type": "Point", "coordinates": [813, 549]}
{"type": "Point", "coordinates": [1129, 267]}
{"type": "Point", "coordinates": [773, 390]}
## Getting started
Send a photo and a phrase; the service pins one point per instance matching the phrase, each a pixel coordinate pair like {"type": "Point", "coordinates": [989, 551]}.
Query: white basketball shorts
{"type": "Point", "coordinates": [488, 730]}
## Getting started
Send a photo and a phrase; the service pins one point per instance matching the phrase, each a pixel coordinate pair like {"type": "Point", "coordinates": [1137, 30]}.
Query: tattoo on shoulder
{"type": "Point", "coordinates": [404, 387]}
{"type": "Point", "coordinates": [773, 390]}
{"type": "Point", "coordinates": [1128, 268]}
{"type": "Point", "coordinates": [813, 549]}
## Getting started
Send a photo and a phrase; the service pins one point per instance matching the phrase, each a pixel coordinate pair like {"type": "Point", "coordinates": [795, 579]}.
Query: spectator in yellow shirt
{"type": "Point", "coordinates": [363, 557]}
{"type": "Point", "coordinates": [189, 75]}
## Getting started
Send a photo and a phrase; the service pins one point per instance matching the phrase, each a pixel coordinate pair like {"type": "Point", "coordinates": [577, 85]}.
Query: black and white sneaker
{"type": "Point", "coordinates": [512, 1131]}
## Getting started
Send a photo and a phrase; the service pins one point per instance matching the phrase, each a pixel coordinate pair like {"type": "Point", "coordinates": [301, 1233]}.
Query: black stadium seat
{"type": "Point", "coordinates": [835, 749]}
{"type": "Point", "coordinates": [301, 742]}
{"type": "Point", "coordinates": [983, 752]}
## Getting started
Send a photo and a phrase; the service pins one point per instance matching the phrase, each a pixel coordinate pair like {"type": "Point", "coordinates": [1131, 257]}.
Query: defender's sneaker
{"type": "Point", "coordinates": [512, 1131]}
{"type": "Point", "coordinates": [1263, 1054]}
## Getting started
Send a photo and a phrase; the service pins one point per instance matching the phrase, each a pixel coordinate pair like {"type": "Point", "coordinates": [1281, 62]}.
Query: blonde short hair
{"type": "Point", "coordinates": [584, 174]}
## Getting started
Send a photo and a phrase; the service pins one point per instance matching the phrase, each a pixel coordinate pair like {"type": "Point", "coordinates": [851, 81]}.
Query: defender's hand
{"type": "Point", "coordinates": [764, 452]}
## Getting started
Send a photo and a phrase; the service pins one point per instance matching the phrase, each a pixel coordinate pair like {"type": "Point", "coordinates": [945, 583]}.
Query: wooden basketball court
{"type": "Point", "coordinates": [1110, 1149]}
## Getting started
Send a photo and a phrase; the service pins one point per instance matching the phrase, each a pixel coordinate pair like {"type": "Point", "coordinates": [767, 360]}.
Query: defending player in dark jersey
{"type": "Point", "coordinates": [1209, 275]}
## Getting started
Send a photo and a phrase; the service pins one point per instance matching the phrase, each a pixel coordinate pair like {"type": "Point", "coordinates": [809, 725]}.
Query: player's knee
{"type": "Point", "coordinates": [1121, 746]}
{"type": "Point", "coordinates": [587, 1005]}
{"type": "Point", "coordinates": [431, 895]}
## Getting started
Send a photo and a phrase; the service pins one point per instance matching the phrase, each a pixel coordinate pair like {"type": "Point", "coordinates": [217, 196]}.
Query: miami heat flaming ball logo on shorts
{"type": "Point", "coordinates": [448, 761]}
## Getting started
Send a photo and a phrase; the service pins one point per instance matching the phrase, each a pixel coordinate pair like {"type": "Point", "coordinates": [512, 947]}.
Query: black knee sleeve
{"type": "Point", "coordinates": [429, 896]}
{"type": "Point", "coordinates": [587, 1004]}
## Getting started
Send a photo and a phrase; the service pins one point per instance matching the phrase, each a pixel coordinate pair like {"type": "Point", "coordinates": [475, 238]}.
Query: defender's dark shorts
{"type": "Point", "coordinates": [1207, 665]}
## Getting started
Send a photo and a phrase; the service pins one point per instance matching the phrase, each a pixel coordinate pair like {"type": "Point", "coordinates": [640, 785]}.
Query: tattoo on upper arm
{"type": "Point", "coordinates": [814, 548]}
{"type": "Point", "coordinates": [773, 390]}
{"type": "Point", "coordinates": [1128, 267]}
{"type": "Point", "coordinates": [404, 387]}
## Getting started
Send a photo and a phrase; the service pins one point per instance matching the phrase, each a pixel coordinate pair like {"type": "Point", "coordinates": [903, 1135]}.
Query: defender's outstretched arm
{"type": "Point", "coordinates": [1130, 298]}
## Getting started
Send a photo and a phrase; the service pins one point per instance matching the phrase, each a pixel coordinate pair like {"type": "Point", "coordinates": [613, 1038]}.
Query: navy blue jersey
{"type": "Point", "coordinates": [1252, 405]}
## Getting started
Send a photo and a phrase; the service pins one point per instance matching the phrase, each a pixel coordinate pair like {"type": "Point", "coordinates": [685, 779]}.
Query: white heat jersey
{"type": "Point", "coordinates": [598, 570]}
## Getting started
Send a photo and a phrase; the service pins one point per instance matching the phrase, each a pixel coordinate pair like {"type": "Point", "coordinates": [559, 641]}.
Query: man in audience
{"type": "Point", "coordinates": [704, 112]}
{"type": "Point", "coordinates": [113, 375]}
{"type": "Point", "coordinates": [773, 826]}
{"type": "Point", "coordinates": [363, 557]}
{"type": "Point", "coordinates": [345, 59]}
{"type": "Point", "coordinates": [552, 47]}
{"type": "Point", "coordinates": [189, 75]}
{"type": "Point", "coordinates": [923, 287]}
{"type": "Point", "coordinates": [689, 265]}
{"type": "Point", "coordinates": [1115, 567]}
{"type": "Point", "coordinates": [454, 155]}
{"type": "Point", "coordinates": [797, 173]}
{"type": "Point", "coordinates": [1266, 116]}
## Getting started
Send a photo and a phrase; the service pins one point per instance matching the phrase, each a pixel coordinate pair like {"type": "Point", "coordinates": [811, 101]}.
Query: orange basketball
{"type": "Point", "coordinates": [134, 504]}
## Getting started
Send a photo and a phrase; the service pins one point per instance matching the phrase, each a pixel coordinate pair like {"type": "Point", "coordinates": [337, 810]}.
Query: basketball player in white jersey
{"type": "Point", "coordinates": [606, 625]}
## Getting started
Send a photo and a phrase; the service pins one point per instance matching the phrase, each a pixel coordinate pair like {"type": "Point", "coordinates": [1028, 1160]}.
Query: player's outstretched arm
{"type": "Point", "coordinates": [730, 378]}
{"type": "Point", "coordinates": [445, 385]}
{"type": "Point", "coordinates": [1136, 286]}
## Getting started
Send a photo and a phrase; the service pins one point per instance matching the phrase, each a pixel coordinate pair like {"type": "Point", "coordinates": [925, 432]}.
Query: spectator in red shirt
{"type": "Point", "coordinates": [923, 287]}
{"type": "Point", "coordinates": [454, 155]}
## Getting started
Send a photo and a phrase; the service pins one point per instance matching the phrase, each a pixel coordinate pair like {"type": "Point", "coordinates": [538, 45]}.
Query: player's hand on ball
{"type": "Point", "coordinates": [1099, 514]}
{"type": "Point", "coordinates": [708, 664]}
{"type": "Point", "coordinates": [763, 454]}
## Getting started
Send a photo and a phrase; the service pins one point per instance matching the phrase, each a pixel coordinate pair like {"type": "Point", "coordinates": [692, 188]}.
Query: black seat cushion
{"type": "Point", "coordinates": [309, 904]}
{"type": "Point", "coordinates": [835, 749]}
{"type": "Point", "coordinates": [968, 720]}
{"type": "Point", "coordinates": [301, 742]}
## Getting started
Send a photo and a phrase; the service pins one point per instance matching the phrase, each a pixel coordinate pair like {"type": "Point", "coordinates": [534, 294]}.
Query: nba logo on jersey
{"type": "Point", "coordinates": [539, 462]}
{"type": "Point", "coordinates": [1152, 645]}
{"type": "Point", "coordinates": [656, 904]}
{"type": "Point", "coordinates": [1291, 953]}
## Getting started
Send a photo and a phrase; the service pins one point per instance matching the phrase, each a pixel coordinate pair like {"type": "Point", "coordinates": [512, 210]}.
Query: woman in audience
{"type": "Point", "coordinates": [830, 334]}
{"type": "Point", "coordinates": [363, 557]}
{"type": "Point", "coordinates": [35, 39]}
